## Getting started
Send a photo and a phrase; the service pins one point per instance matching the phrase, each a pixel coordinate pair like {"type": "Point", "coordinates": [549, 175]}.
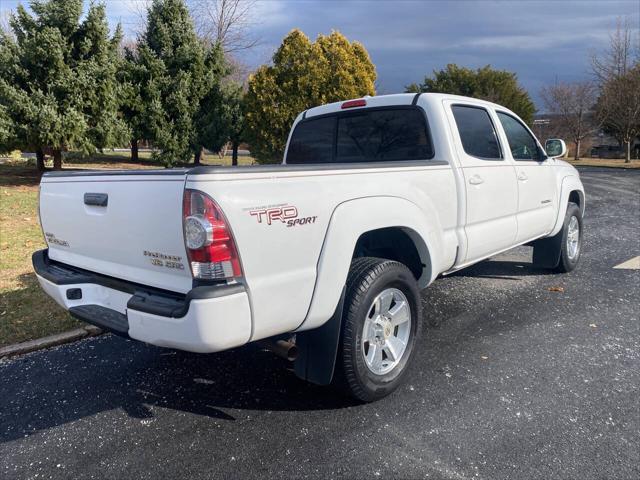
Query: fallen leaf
{"type": "Point", "coordinates": [556, 289]}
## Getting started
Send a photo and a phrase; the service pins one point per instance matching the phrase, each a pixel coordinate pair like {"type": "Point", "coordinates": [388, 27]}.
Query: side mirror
{"type": "Point", "coordinates": [555, 147]}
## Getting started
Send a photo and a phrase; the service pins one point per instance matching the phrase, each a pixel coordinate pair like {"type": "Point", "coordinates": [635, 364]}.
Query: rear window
{"type": "Point", "coordinates": [312, 141]}
{"type": "Point", "coordinates": [372, 135]}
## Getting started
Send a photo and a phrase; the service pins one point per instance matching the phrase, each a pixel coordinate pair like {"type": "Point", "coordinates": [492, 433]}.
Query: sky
{"type": "Point", "coordinates": [541, 41]}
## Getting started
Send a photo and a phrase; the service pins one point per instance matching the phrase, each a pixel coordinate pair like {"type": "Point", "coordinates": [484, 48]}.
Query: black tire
{"type": "Point", "coordinates": [567, 263]}
{"type": "Point", "coordinates": [367, 278]}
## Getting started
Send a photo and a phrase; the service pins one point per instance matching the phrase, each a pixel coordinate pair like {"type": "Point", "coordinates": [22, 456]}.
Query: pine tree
{"type": "Point", "coordinates": [233, 115]}
{"type": "Point", "coordinates": [131, 77]}
{"type": "Point", "coordinates": [212, 126]}
{"type": "Point", "coordinates": [58, 88]}
{"type": "Point", "coordinates": [179, 79]}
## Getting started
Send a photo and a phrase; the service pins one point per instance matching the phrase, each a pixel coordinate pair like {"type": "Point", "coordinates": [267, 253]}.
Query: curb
{"type": "Point", "coordinates": [50, 341]}
{"type": "Point", "coordinates": [611, 167]}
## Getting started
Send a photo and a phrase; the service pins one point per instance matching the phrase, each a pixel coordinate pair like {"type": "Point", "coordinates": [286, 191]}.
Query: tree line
{"type": "Point", "coordinates": [67, 83]}
{"type": "Point", "coordinates": [609, 102]}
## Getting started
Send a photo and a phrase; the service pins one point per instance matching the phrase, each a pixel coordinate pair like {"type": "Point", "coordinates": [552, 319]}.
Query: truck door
{"type": "Point", "coordinates": [490, 182]}
{"type": "Point", "coordinates": [537, 201]}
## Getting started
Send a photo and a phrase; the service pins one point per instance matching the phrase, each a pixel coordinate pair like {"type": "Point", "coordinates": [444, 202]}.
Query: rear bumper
{"type": "Point", "coordinates": [207, 319]}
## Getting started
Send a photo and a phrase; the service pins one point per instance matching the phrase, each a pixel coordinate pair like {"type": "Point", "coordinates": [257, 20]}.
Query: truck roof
{"type": "Point", "coordinates": [390, 100]}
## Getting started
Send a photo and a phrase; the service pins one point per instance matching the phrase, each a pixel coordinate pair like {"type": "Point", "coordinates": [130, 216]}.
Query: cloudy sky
{"type": "Point", "coordinates": [539, 40]}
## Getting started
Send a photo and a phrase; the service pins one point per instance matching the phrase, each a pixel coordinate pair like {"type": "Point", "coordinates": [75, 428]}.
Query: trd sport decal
{"type": "Point", "coordinates": [287, 214]}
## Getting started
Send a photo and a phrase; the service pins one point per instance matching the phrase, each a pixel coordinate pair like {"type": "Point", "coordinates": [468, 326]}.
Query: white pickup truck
{"type": "Point", "coordinates": [323, 256]}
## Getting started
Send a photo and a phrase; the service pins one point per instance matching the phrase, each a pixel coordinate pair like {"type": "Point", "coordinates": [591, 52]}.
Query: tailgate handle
{"type": "Point", "coordinates": [97, 199]}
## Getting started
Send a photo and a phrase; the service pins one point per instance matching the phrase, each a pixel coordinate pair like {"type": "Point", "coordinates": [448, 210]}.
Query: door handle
{"type": "Point", "coordinates": [476, 180]}
{"type": "Point", "coordinates": [96, 199]}
{"type": "Point", "coordinates": [522, 176]}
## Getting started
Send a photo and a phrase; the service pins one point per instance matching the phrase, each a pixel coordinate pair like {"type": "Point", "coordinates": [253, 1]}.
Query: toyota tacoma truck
{"type": "Point", "coordinates": [322, 256]}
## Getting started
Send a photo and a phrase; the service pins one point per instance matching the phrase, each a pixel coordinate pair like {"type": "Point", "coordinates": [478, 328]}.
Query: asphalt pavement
{"type": "Point", "coordinates": [529, 375]}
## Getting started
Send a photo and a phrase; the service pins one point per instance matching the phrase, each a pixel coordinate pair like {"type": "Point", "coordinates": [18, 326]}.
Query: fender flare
{"type": "Point", "coordinates": [569, 184]}
{"type": "Point", "coordinates": [348, 222]}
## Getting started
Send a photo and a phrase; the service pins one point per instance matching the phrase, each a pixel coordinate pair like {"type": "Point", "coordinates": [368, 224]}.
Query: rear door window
{"type": "Point", "coordinates": [368, 135]}
{"type": "Point", "coordinates": [477, 133]}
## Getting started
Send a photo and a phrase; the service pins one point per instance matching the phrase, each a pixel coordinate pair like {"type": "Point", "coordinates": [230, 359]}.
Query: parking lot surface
{"type": "Point", "coordinates": [529, 375]}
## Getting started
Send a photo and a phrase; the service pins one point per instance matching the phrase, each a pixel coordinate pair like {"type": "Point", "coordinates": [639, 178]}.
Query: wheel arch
{"type": "Point", "coordinates": [577, 197]}
{"type": "Point", "coordinates": [571, 190]}
{"type": "Point", "coordinates": [402, 244]}
{"type": "Point", "coordinates": [355, 222]}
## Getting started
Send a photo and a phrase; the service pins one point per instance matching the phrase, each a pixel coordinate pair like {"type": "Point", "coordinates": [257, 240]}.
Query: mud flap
{"type": "Point", "coordinates": [318, 348]}
{"type": "Point", "coordinates": [546, 251]}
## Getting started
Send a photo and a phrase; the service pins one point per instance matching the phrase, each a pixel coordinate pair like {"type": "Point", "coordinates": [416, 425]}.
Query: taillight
{"type": "Point", "coordinates": [210, 246]}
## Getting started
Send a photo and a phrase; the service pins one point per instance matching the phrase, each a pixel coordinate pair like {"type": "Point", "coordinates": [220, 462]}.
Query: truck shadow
{"type": "Point", "coordinates": [58, 386]}
{"type": "Point", "coordinates": [501, 269]}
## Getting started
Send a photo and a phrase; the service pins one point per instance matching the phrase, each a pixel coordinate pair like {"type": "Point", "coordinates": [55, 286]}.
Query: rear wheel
{"type": "Point", "coordinates": [381, 325]}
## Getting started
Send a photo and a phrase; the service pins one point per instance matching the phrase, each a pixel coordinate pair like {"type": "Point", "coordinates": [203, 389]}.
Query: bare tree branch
{"type": "Point", "coordinates": [617, 71]}
{"type": "Point", "coordinates": [5, 25]}
{"type": "Point", "coordinates": [228, 22]}
{"type": "Point", "coordinates": [619, 107]}
{"type": "Point", "coordinates": [572, 104]}
{"type": "Point", "coordinates": [623, 52]}
{"type": "Point", "coordinates": [140, 10]}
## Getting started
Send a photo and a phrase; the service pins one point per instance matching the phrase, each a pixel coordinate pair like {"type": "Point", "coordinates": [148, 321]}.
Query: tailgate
{"type": "Point", "coordinates": [126, 225]}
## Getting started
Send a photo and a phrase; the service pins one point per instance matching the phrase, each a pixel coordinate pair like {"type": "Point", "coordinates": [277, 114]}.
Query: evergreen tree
{"type": "Point", "coordinates": [178, 80]}
{"type": "Point", "coordinates": [58, 88]}
{"type": "Point", "coordinates": [212, 128]}
{"type": "Point", "coordinates": [303, 75]}
{"type": "Point", "coordinates": [498, 86]}
{"type": "Point", "coordinates": [233, 115]}
{"type": "Point", "coordinates": [132, 76]}
{"type": "Point", "coordinates": [346, 68]}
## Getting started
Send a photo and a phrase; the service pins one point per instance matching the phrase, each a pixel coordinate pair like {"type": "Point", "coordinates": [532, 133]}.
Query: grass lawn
{"type": "Point", "coordinates": [604, 162]}
{"type": "Point", "coordinates": [26, 312]}
{"type": "Point", "coordinates": [121, 159]}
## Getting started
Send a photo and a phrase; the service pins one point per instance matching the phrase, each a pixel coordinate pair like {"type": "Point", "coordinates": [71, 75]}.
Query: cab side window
{"type": "Point", "coordinates": [522, 144]}
{"type": "Point", "coordinates": [477, 133]}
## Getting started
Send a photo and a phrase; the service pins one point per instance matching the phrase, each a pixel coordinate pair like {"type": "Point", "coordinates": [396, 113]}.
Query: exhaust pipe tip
{"type": "Point", "coordinates": [283, 348]}
{"type": "Point", "coordinates": [292, 352]}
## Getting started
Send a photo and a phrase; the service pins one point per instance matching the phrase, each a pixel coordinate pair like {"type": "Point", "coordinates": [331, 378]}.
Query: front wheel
{"type": "Point", "coordinates": [571, 245]}
{"type": "Point", "coordinates": [381, 325]}
{"type": "Point", "coordinates": [561, 252]}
